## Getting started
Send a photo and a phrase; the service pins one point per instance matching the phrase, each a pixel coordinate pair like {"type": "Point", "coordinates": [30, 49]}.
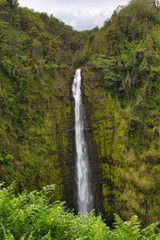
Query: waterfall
{"type": "Point", "coordinates": [84, 196]}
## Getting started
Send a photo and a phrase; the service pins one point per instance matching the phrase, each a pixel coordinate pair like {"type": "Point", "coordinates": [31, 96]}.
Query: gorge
{"type": "Point", "coordinates": [120, 96]}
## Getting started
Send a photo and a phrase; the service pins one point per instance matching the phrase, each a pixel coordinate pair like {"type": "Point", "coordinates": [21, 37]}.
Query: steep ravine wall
{"type": "Point", "coordinates": [124, 149]}
{"type": "Point", "coordinates": [36, 134]}
{"type": "Point", "coordinates": [37, 145]}
{"type": "Point", "coordinates": [102, 134]}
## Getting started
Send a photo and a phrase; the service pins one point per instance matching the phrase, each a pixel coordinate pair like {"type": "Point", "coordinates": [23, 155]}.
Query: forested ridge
{"type": "Point", "coordinates": [121, 70]}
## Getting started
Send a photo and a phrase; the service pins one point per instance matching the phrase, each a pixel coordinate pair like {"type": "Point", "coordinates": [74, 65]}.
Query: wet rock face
{"type": "Point", "coordinates": [120, 180]}
{"type": "Point", "coordinates": [45, 153]}
{"type": "Point", "coordinates": [100, 129]}
{"type": "Point", "coordinates": [65, 146]}
{"type": "Point", "coordinates": [38, 144]}
{"type": "Point", "coordinates": [37, 136]}
{"type": "Point", "coordinates": [55, 157]}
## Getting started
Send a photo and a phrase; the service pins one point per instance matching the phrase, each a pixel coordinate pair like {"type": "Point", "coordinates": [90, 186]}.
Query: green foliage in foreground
{"type": "Point", "coordinates": [32, 216]}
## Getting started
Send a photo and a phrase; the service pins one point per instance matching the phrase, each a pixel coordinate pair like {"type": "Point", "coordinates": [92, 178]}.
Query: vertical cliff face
{"type": "Point", "coordinates": [101, 129]}
{"type": "Point", "coordinates": [102, 134]}
{"type": "Point", "coordinates": [38, 142]}
{"type": "Point", "coordinates": [36, 133]}
{"type": "Point", "coordinates": [62, 129]}
{"type": "Point", "coordinates": [123, 144]}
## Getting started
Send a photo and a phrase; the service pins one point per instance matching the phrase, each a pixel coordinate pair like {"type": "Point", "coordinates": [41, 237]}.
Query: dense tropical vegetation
{"type": "Point", "coordinates": [32, 46]}
{"type": "Point", "coordinates": [121, 73]}
{"type": "Point", "coordinates": [31, 216]}
{"type": "Point", "coordinates": [127, 50]}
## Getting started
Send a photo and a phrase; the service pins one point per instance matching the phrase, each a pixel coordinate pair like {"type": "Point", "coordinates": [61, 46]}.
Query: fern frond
{"type": "Point", "coordinates": [128, 229]}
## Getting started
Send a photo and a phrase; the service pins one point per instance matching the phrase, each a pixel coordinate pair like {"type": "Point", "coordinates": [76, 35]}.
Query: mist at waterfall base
{"type": "Point", "coordinates": [84, 196]}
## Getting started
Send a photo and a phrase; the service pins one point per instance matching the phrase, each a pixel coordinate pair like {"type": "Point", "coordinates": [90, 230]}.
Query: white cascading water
{"type": "Point", "coordinates": [84, 196]}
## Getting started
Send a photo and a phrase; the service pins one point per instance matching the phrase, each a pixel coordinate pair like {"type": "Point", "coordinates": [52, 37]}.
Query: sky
{"type": "Point", "coordinates": [80, 14]}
